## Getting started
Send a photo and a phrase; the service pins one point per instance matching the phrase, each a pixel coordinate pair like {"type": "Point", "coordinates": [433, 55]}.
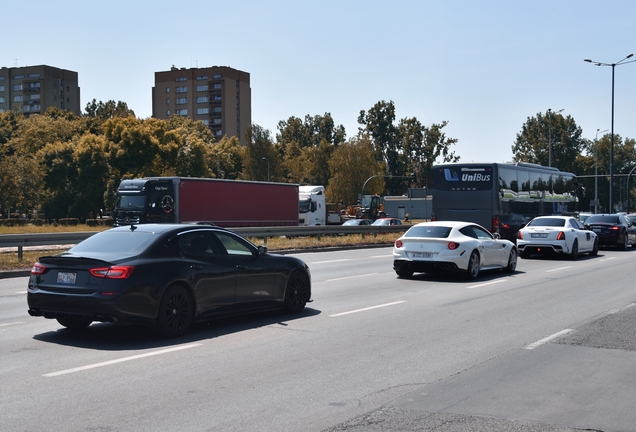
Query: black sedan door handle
{"type": "Point", "coordinates": [196, 267]}
{"type": "Point", "coordinates": [241, 267]}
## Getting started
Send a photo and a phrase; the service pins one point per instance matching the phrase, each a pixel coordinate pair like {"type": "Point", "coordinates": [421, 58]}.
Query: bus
{"type": "Point", "coordinates": [501, 197]}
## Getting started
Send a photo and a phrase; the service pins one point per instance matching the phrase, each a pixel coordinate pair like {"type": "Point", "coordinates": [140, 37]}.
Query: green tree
{"type": "Point", "coordinates": [549, 137]}
{"type": "Point", "coordinates": [261, 157]}
{"type": "Point", "coordinates": [378, 123]}
{"type": "Point", "coordinates": [423, 147]}
{"type": "Point", "coordinates": [225, 158]}
{"type": "Point", "coordinates": [351, 164]}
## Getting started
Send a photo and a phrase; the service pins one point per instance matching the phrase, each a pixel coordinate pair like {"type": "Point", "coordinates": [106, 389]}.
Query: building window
{"type": "Point", "coordinates": [1, 88]}
{"type": "Point", "coordinates": [34, 86]}
{"type": "Point", "coordinates": [202, 99]}
{"type": "Point", "coordinates": [217, 76]}
{"type": "Point", "coordinates": [202, 87]}
{"type": "Point", "coordinates": [1, 99]}
{"type": "Point", "coordinates": [168, 113]}
{"type": "Point", "coordinates": [218, 133]}
{"type": "Point", "coordinates": [17, 98]}
{"type": "Point", "coordinates": [34, 75]}
{"type": "Point", "coordinates": [35, 96]}
{"type": "Point", "coordinates": [18, 76]}
{"type": "Point", "coordinates": [217, 110]}
{"type": "Point", "coordinates": [178, 79]}
{"type": "Point", "coordinates": [182, 89]}
{"type": "Point", "coordinates": [167, 89]}
{"type": "Point", "coordinates": [217, 85]}
{"type": "Point", "coordinates": [217, 97]}
{"type": "Point", "coordinates": [17, 87]}
{"type": "Point", "coordinates": [203, 110]}
{"type": "Point", "coordinates": [206, 122]}
{"type": "Point", "coordinates": [2, 110]}
{"type": "Point", "coordinates": [217, 121]}
{"type": "Point", "coordinates": [181, 101]}
{"type": "Point", "coordinates": [168, 101]}
{"type": "Point", "coordinates": [202, 77]}
{"type": "Point", "coordinates": [181, 112]}
{"type": "Point", "coordinates": [1, 78]}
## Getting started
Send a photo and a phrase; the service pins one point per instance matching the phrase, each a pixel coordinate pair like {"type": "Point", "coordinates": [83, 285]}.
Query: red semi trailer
{"type": "Point", "coordinates": [226, 203]}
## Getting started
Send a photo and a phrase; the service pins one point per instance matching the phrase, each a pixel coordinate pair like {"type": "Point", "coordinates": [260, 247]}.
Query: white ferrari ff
{"type": "Point", "coordinates": [556, 235]}
{"type": "Point", "coordinates": [451, 246]}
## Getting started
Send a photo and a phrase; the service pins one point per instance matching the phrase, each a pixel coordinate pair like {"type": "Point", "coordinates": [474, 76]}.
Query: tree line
{"type": "Point", "coordinates": [553, 139]}
{"type": "Point", "coordinates": [67, 166]}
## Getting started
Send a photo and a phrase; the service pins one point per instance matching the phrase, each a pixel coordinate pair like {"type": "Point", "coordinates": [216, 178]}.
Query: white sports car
{"type": "Point", "coordinates": [451, 246]}
{"type": "Point", "coordinates": [556, 235]}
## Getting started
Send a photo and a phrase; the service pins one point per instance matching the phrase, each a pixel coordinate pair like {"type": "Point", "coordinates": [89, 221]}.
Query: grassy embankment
{"type": "Point", "coordinates": [9, 260]}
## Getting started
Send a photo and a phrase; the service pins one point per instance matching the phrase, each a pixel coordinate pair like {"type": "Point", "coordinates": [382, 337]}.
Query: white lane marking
{"type": "Point", "coordinates": [331, 261]}
{"type": "Point", "coordinates": [123, 359]}
{"type": "Point", "coordinates": [381, 256]}
{"type": "Point", "coordinates": [548, 339]}
{"type": "Point", "coordinates": [21, 292]}
{"type": "Point", "coordinates": [13, 323]}
{"type": "Point", "coordinates": [485, 283]}
{"type": "Point", "coordinates": [368, 308]}
{"type": "Point", "coordinates": [557, 269]}
{"type": "Point", "coordinates": [608, 258]}
{"type": "Point", "coordinates": [351, 277]}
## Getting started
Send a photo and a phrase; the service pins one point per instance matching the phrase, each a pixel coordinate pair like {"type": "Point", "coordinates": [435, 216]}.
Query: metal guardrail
{"type": "Point", "coordinates": [46, 239]}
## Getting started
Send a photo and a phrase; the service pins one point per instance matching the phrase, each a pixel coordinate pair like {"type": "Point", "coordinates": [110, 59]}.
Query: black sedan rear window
{"type": "Point", "coordinates": [602, 219]}
{"type": "Point", "coordinates": [112, 241]}
{"type": "Point", "coordinates": [428, 231]}
{"type": "Point", "coordinates": [547, 222]}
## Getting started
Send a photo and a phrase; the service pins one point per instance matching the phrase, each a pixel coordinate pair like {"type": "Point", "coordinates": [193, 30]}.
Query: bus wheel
{"type": "Point", "coordinates": [473, 265]}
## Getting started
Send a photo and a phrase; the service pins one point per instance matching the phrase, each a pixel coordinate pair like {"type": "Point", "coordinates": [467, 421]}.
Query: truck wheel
{"type": "Point", "coordinates": [296, 292]}
{"type": "Point", "coordinates": [175, 312]}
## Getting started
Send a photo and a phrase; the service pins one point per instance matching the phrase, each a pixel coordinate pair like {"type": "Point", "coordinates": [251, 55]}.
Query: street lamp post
{"type": "Point", "coordinates": [550, 134]}
{"type": "Point", "coordinates": [267, 160]}
{"type": "Point", "coordinates": [611, 161]}
{"type": "Point", "coordinates": [596, 170]}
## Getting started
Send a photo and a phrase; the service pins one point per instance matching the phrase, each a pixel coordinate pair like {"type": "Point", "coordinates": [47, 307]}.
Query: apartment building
{"type": "Point", "coordinates": [33, 89]}
{"type": "Point", "coordinates": [219, 96]}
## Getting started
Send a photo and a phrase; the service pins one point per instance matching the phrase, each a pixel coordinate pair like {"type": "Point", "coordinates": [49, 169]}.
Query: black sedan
{"type": "Point", "coordinates": [164, 275]}
{"type": "Point", "coordinates": [612, 230]}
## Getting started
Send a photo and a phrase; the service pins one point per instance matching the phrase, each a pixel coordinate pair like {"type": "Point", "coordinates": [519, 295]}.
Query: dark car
{"type": "Point", "coordinates": [510, 224]}
{"type": "Point", "coordinates": [612, 230]}
{"type": "Point", "coordinates": [165, 275]}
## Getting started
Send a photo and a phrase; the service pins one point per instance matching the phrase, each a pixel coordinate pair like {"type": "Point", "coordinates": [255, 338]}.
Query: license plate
{"type": "Point", "coordinates": [422, 255]}
{"type": "Point", "coordinates": [539, 235]}
{"type": "Point", "coordinates": [66, 278]}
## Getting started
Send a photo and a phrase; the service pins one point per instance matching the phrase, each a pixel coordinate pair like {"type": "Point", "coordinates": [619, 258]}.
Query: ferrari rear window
{"type": "Point", "coordinates": [428, 231]}
{"type": "Point", "coordinates": [547, 222]}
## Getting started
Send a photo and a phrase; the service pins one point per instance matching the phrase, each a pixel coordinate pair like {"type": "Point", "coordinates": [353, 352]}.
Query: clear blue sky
{"type": "Point", "coordinates": [483, 66]}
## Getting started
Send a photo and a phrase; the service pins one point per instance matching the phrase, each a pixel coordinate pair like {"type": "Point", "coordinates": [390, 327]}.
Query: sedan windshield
{"type": "Point", "coordinates": [547, 222]}
{"type": "Point", "coordinates": [428, 232]}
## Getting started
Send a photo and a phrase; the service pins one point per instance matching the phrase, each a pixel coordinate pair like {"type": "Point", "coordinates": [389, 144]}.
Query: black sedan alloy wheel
{"type": "Point", "coordinates": [175, 312]}
{"type": "Point", "coordinates": [297, 292]}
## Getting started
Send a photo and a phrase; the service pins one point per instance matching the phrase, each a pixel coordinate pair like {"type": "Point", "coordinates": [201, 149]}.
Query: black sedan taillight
{"type": "Point", "coordinates": [113, 272]}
